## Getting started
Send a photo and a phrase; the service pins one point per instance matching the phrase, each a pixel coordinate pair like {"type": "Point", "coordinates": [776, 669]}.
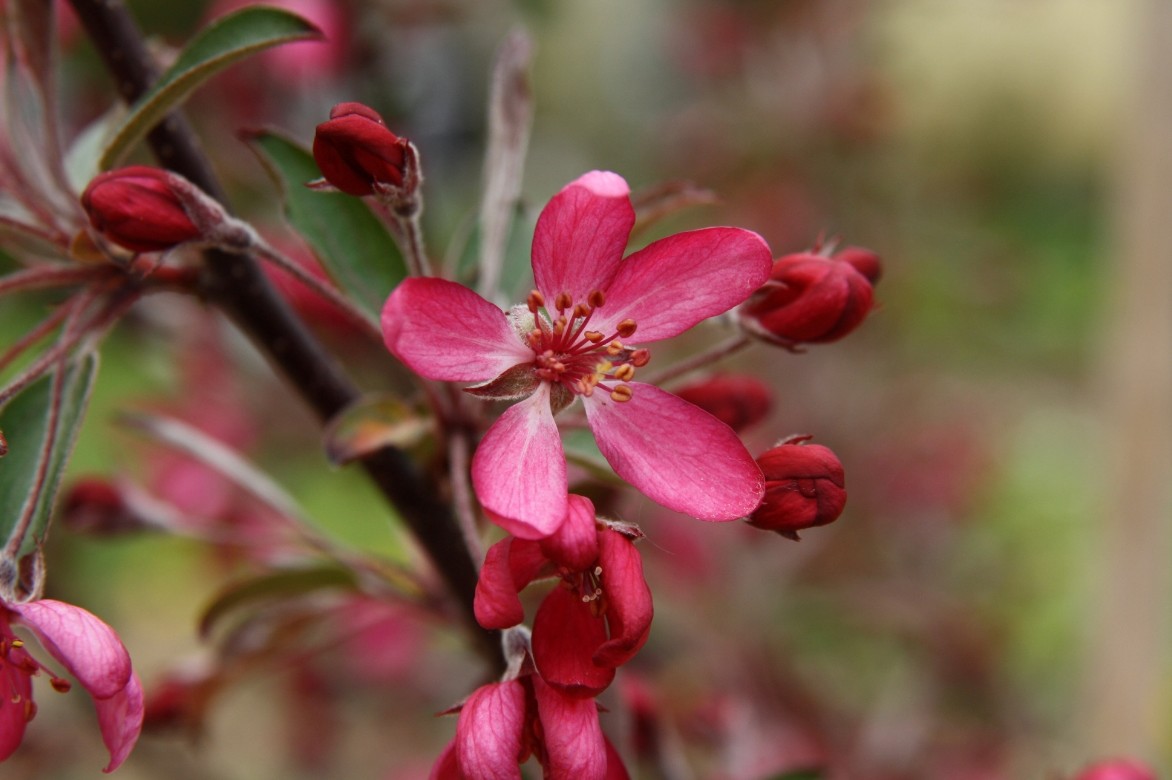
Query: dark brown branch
{"type": "Point", "coordinates": [237, 285]}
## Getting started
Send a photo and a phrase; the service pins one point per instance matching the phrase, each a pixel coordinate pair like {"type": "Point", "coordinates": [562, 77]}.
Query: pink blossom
{"type": "Point", "coordinates": [575, 338]}
{"type": "Point", "coordinates": [599, 617]}
{"type": "Point", "coordinates": [92, 654]}
{"type": "Point", "coordinates": [502, 724]}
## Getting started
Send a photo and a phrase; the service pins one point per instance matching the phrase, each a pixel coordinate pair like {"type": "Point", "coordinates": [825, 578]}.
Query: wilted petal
{"type": "Point", "coordinates": [676, 454]}
{"type": "Point", "coordinates": [488, 733]}
{"type": "Point", "coordinates": [565, 635]}
{"type": "Point", "coordinates": [575, 543]}
{"type": "Point", "coordinates": [581, 235]}
{"type": "Point", "coordinates": [16, 707]}
{"type": "Point", "coordinates": [628, 599]}
{"type": "Point", "coordinates": [519, 469]}
{"type": "Point", "coordinates": [443, 330]}
{"type": "Point", "coordinates": [496, 603]}
{"type": "Point", "coordinates": [120, 718]}
{"type": "Point", "coordinates": [681, 280]}
{"type": "Point", "coordinates": [573, 736]}
{"type": "Point", "coordinates": [88, 648]}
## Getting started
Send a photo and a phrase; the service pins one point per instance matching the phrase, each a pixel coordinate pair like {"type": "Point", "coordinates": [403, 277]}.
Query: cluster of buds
{"type": "Point", "coordinates": [359, 155]}
{"type": "Point", "coordinates": [812, 298]}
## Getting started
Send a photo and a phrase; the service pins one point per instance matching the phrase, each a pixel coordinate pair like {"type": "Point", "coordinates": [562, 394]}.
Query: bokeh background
{"type": "Point", "coordinates": [993, 603]}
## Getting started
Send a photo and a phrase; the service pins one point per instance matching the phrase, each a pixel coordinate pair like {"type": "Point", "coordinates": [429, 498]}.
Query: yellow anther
{"type": "Point", "coordinates": [596, 299]}
{"type": "Point", "coordinates": [626, 328]}
{"type": "Point", "coordinates": [535, 300]}
{"type": "Point", "coordinates": [603, 367]}
{"type": "Point", "coordinates": [17, 643]}
{"type": "Point", "coordinates": [625, 372]}
{"type": "Point", "coordinates": [593, 336]}
{"type": "Point", "coordinates": [621, 394]}
{"type": "Point", "coordinates": [563, 301]}
{"type": "Point", "coordinates": [581, 310]}
{"type": "Point", "coordinates": [614, 347]}
{"type": "Point", "coordinates": [597, 571]}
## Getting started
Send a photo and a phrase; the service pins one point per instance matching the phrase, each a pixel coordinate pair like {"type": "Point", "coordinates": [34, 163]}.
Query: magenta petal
{"type": "Point", "coordinates": [488, 733]}
{"type": "Point", "coordinates": [575, 543]}
{"type": "Point", "coordinates": [628, 599]}
{"type": "Point", "coordinates": [573, 737]}
{"type": "Point", "coordinates": [565, 635]}
{"type": "Point", "coordinates": [581, 235]}
{"type": "Point", "coordinates": [678, 281]}
{"type": "Point", "coordinates": [443, 330]}
{"type": "Point", "coordinates": [615, 768]}
{"type": "Point", "coordinates": [519, 469]}
{"type": "Point", "coordinates": [447, 767]}
{"type": "Point", "coordinates": [496, 604]}
{"type": "Point", "coordinates": [88, 648]}
{"type": "Point", "coordinates": [15, 706]}
{"type": "Point", "coordinates": [120, 718]}
{"type": "Point", "coordinates": [676, 453]}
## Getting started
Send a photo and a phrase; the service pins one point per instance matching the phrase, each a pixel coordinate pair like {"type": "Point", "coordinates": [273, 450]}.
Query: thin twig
{"type": "Point", "coordinates": [717, 352]}
{"type": "Point", "coordinates": [458, 448]}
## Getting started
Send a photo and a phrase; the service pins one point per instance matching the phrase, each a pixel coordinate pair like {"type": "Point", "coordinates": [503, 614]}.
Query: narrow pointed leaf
{"type": "Point", "coordinates": [273, 586]}
{"type": "Point", "coordinates": [224, 42]}
{"type": "Point", "coordinates": [350, 242]}
{"type": "Point", "coordinates": [26, 426]}
{"type": "Point", "coordinates": [370, 424]}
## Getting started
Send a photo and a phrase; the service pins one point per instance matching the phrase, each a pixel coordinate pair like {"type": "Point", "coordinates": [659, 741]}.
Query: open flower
{"type": "Point", "coordinates": [575, 338]}
{"type": "Point", "coordinates": [90, 651]}
{"type": "Point", "coordinates": [595, 621]}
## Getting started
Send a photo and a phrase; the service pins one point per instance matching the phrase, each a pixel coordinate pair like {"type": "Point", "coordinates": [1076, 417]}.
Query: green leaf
{"type": "Point", "coordinates": [226, 41]}
{"type": "Point", "coordinates": [273, 586]}
{"type": "Point", "coordinates": [351, 243]}
{"type": "Point", "coordinates": [25, 423]}
{"type": "Point", "coordinates": [800, 774]}
{"type": "Point", "coordinates": [372, 423]}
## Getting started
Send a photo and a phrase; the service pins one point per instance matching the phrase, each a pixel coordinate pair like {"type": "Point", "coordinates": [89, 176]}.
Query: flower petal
{"type": "Point", "coordinates": [573, 737]}
{"type": "Point", "coordinates": [519, 469]}
{"type": "Point", "coordinates": [628, 599]}
{"type": "Point", "coordinates": [615, 768]}
{"type": "Point", "coordinates": [565, 635]}
{"type": "Point", "coordinates": [575, 543]}
{"type": "Point", "coordinates": [446, 766]}
{"type": "Point", "coordinates": [676, 454]}
{"type": "Point", "coordinates": [443, 330]}
{"type": "Point", "coordinates": [496, 603]}
{"type": "Point", "coordinates": [120, 718]}
{"type": "Point", "coordinates": [488, 733]}
{"type": "Point", "coordinates": [581, 235]}
{"type": "Point", "coordinates": [678, 281]}
{"type": "Point", "coordinates": [88, 648]}
{"type": "Point", "coordinates": [16, 707]}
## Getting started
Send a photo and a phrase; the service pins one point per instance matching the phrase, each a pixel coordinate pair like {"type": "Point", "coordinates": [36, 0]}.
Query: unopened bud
{"type": "Point", "coordinates": [360, 156]}
{"type": "Point", "coordinates": [804, 487]}
{"type": "Point", "coordinates": [1117, 769]}
{"type": "Point", "coordinates": [862, 260]}
{"type": "Point", "coordinates": [737, 400]}
{"type": "Point", "coordinates": [95, 505]}
{"type": "Point", "coordinates": [137, 208]}
{"type": "Point", "coordinates": [809, 299]}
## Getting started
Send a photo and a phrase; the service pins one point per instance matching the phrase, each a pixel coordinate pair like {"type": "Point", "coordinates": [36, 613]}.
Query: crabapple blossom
{"type": "Point", "coordinates": [137, 208]}
{"type": "Point", "coordinates": [804, 487]}
{"type": "Point", "coordinates": [357, 153]}
{"type": "Point", "coordinates": [599, 617]}
{"type": "Point", "coordinates": [1117, 769]}
{"type": "Point", "coordinates": [92, 654]}
{"type": "Point", "coordinates": [582, 334]}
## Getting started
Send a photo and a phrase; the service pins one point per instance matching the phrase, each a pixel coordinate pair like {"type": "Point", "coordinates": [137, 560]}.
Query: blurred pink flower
{"type": "Point", "coordinates": [1117, 769]}
{"type": "Point", "coordinates": [570, 342]}
{"type": "Point", "coordinates": [90, 651]}
{"type": "Point", "coordinates": [595, 622]}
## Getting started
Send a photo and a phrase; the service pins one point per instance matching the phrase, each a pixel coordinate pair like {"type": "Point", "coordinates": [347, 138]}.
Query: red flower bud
{"type": "Point", "coordinates": [1117, 769]}
{"type": "Point", "coordinates": [137, 208]}
{"type": "Point", "coordinates": [810, 298]}
{"type": "Point", "coordinates": [863, 260]}
{"type": "Point", "coordinates": [737, 400]}
{"type": "Point", "coordinates": [355, 151]}
{"type": "Point", "coordinates": [804, 487]}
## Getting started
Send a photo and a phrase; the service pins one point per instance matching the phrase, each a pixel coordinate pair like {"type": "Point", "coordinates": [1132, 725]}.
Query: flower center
{"type": "Point", "coordinates": [570, 354]}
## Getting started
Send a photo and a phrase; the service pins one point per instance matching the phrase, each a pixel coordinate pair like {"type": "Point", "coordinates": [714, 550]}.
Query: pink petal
{"type": "Point", "coordinates": [615, 769]}
{"type": "Point", "coordinates": [681, 280]}
{"type": "Point", "coordinates": [581, 235]}
{"type": "Point", "coordinates": [573, 737]}
{"type": "Point", "coordinates": [88, 648]}
{"type": "Point", "coordinates": [565, 635]}
{"type": "Point", "coordinates": [575, 543]}
{"type": "Point", "coordinates": [15, 705]}
{"type": "Point", "coordinates": [488, 733]}
{"type": "Point", "coordinates": [519, 469]}
{"type": "Point", "coordinates": [120, 718]}
{"type": "Point", "coordinates": [527, 562]}
{"type": "Point", "coordinates": [496, 604]}
{"type": "Point", "coordinates": [443, 330]}
{"type": "Point", "coordinates": [628, 599]}
{"type": "Point", "coordinates": [676, 454]}
{"type": "Point", "coordinates": [446, 766]}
